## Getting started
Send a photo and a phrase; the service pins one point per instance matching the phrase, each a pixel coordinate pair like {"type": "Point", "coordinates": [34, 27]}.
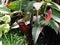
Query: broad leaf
{"type": "Point", "coordinates": [54, 5]}
{"type": "Point", "coordinates": [43, 22]}
{"type": "Point", "coordinates": [4, 10]}
{"type": "Point", "coordinates": [37, 5]}
{"type": "Point", "coordinates": [6, 18]}
{"type": "Point", "coordinates": [5, 28]}
{"type": "Point", "coordinates": [52, 24]}
{"type": "Point", "coordinates": [43, 7]}
{"type": "Point", "coordinates": [36, 31]}
{"type": "Point", "coordinates": [1, 14]}
{"type": "Point", "coordinates": [15, 5]}
{"type": "Point", "coordinates": [29, 6]}
{"type": "Point", "coordinates": [56, 12]}
{"type": "Point", "coordinates": [56, 18]}
{"type": "Point", "coordinates": [24, 4]}
{"type": "Point", "coordinates": [57, 25]}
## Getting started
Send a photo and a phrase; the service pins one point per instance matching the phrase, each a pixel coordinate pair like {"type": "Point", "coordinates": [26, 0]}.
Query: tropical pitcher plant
{"type": "Point", "coordinates": [29, 16]}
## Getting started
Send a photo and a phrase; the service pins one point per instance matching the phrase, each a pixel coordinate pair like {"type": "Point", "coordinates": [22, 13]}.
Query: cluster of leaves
{"type": "Point", "coordinates": [14, 37]}
{"type": "Point", "coordinates": [27, 8]}
{"type": "Point", "coordinates": [4, 19]}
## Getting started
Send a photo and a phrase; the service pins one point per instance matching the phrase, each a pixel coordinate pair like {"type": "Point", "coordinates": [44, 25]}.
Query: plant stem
{"type": "Point", "coordinates": [37, 16]}
{"type": "Point", "coordinates": [20, 4]}
{"type": "Point", "coordinates": [37, 12]}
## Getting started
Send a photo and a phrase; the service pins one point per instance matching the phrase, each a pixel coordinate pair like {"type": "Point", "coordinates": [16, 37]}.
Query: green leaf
{"type": "Point", "coordinates": [57, 19]}
{"type": "Point", "coordinates": [54, 5]}
{"type": "Point", "coordinates": [57, 25]}
{"type": "Point", "coordinates": [48, 0]}
{"type": "Point", "coordinates": [36, 24]}
{"type": "Point", "coordinates": [4, 27]}
{"type": "Point", "coordinates": [43, 22]}
{"type": "Point", "coordinates": [0, 31]}
{"type": "Point", "coordinates": [4, 10]}
{"type": "Point", "coordinates": [1, 14]}
{"type": "Point", "coordinates": [24, 4]}
{"type": "Point", "coordinates": [6, 18]}
{"type": "Point", "coordinates": [0, 34]}
{"type": "Point", "coordinates": [36, 31]}
{"type": "Point", "coordinates": [52, 24]}
{"type": "Point", "coordinates": [15, 5]}
{"type": "Point", "coordinates": [56, 12]}
{"type": "Point", "coordinates": [43, 7]}
{"type": "Point", "coordinates": [29, 6]}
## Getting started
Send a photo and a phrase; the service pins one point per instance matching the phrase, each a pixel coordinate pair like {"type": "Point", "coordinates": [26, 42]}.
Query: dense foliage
{"type": "Point", "coordinates": [23, 21]}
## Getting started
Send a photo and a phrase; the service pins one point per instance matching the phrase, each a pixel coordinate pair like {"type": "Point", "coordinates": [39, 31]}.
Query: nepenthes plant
{"type": "Point", "coordinates": [38, 20]}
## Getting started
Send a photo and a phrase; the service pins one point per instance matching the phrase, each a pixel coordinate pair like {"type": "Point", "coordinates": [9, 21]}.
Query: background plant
{"type": "Point", "coordinates": [24, 10]}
